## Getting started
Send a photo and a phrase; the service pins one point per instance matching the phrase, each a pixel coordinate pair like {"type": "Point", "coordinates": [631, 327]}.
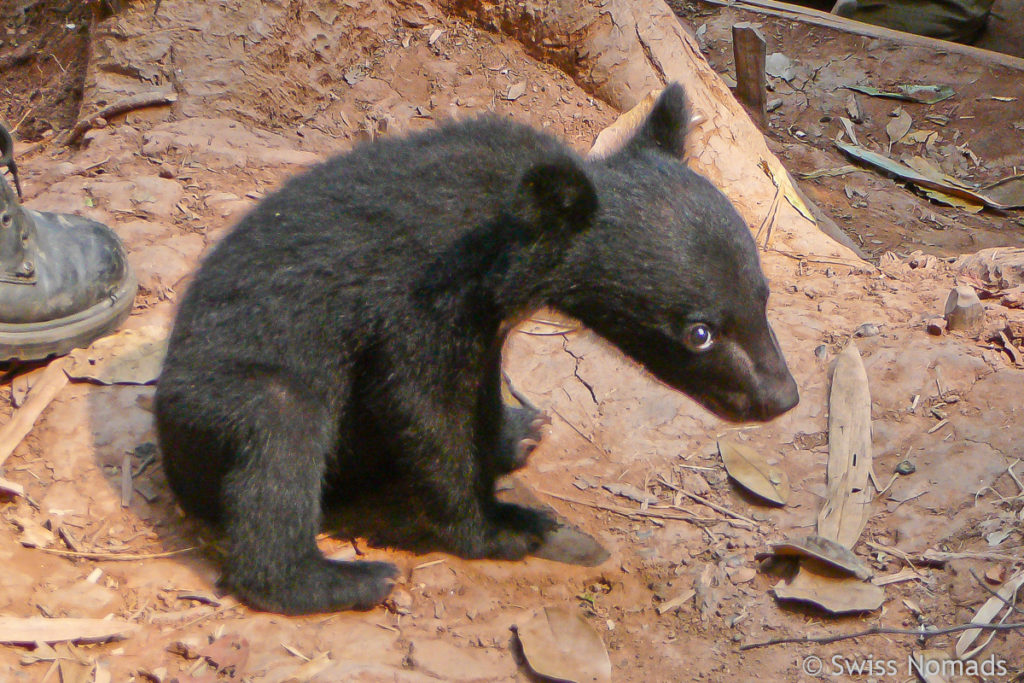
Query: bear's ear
{"type": "Point", "coordinates": [557, 190]}
{"type": "Point", "coordinates": [666, 125]}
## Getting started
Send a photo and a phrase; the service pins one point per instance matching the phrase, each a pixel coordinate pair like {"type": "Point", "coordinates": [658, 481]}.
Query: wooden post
{"type": "Point", "coordinates": [748, 48]}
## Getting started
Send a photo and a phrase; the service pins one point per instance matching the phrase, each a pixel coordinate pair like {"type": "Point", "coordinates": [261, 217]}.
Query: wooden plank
{"type": "Point", "coordinates": [749, 50]}
{"type": "Point", "coordinates": [819, 18]}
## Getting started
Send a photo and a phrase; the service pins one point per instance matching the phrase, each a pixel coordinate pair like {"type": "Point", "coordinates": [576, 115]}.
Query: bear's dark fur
{"type": "Point", "coordinates": [346, 336]}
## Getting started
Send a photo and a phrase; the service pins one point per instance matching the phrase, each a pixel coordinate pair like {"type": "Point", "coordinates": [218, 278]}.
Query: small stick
{"type": "Point", "coordinates": [892, 551]}
{"type": "Point", "coordinates": [115, 557]}
{"type": "Point", "coordinates": [46, 389]}
{"type": "Point", "coordinates": [122, 106]}
{"type": "Point", "coordinates": [626, 512]}
{"type": "Point", "coordinates": [881, 630]}
{"type": "Point", "coordinates": [704, 501]}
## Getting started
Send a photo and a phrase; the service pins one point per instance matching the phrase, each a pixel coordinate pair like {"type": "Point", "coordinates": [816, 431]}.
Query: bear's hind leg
{"type": "Point", "coordinates": [272, 504]}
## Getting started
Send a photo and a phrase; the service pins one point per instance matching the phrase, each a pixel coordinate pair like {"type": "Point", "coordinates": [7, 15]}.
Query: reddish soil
{"type": "Point", "coordinates": [265, 92]}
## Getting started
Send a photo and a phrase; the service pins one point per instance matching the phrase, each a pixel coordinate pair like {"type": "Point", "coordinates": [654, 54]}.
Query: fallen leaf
{"type": "Point", "coordinates": [559, 644]}
{"type": "Point", "coordinates": [780, 179]}
{"type": "Point", "coordinates": [898, 127]}
{"type": "Point", "coordinates": [749, 468]}
{"type": "Point", "coordinates": [926, 94]}
{"type": "Point", "coordinates": [824, 550]}
{"type": "Point", "coordinates": [1008, 191]}
{"type": "Point", "coordinates": [128, 357]}
{"type": "Point", "coordinates": [997, 537]}
{"type": "Point", "coordinates": [987, 613]}
{"type": "Point", "coordinates": [516, 91]}
{"type": "Point", "coordinates": [11, 488]}
{"type": "Point", "coordinates": [740, 574]}
{"type": "Point", "coordinates": [995, 574]}
{"type": "Point", "coordinates": [905, 172]}
{"type": "Point", "coordinates": [837, 595]}
{"type": "Point", "coordinates": [30, 630]}
{"type": "Point", "coordinates": [846, 508]}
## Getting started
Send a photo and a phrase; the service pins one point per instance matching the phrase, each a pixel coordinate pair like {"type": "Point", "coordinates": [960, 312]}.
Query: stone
{"type": "Point", "coordinates": [963, 309]}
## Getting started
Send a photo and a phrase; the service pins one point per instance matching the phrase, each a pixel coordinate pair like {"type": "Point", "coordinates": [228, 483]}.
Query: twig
{"type": "Point", "coordinates": [45, 390]}
{"type": "Point", "coordinates": [203, 617]}
{"type": "Point", "coordinates": [815, 259]}
{"type": "Point", "coordinates": [882, 630]}
{"type": "Point", "coordinates": [1005, 601]}
{"type": "Point", "coordinates": [146, 99]}
{"type": "Point", "coordinates": [582, 435]}
{"type": "Point", "coordinates": [937, 556]}
{"type": "Point", "coordinates": [626, 512]}
{"type": "Point", "coordinates": [116, 557]}
{"type": "Point", "coordinates": [892, 551]}
{"type": "Point", "coordinates": [704, 501]}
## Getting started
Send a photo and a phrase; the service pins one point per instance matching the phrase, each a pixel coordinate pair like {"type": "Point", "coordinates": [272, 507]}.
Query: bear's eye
{"type": "Point", "coordinates": [698, 337]}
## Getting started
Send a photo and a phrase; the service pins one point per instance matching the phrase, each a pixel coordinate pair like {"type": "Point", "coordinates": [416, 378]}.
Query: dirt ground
{"type": "Point", "coordinates": [980, 139]}
{"type": "Point", "coordinates": [264, 93]}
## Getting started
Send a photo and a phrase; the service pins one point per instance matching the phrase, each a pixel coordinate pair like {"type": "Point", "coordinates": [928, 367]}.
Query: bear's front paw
{"type": "Point", "coordinates": [518, 531]}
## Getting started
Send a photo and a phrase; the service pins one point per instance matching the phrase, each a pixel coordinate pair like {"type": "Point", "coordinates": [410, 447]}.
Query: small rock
{"type": "Point", "coordinates": [821, 352]}
{"type": "Point", "coordinates": [906, 467]}
{"type": "Point", "coordinates": [936, 326]}
{"type": "Point", "coordinates": [963, 309]}
{"type": "Point", "coordinates": [866, 330]}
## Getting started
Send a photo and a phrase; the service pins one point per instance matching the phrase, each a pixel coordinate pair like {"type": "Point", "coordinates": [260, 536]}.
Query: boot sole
{"type": "Point", "coordinates": [38, 341]}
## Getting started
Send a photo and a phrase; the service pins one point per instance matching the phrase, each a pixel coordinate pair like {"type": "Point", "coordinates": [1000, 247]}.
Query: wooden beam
{"type": "Point", "coordinates": [818, 18]}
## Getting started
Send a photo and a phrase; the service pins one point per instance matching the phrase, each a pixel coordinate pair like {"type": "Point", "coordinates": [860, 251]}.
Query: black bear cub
{"type": "Point", "coordinates": [347, 334]}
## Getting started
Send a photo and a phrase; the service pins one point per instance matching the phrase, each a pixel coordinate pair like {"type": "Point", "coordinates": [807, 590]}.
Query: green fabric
{"type": "Point", "coordinates": [959, 20]}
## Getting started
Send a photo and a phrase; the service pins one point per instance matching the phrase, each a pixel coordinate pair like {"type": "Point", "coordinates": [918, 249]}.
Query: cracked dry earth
{"type": "Point", "coordinates": [172, 180]}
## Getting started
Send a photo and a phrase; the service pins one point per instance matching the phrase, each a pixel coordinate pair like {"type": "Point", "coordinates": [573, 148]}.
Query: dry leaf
{"type": "Point", "coordinates": [749, 468]}
{"type": "Point", "coordinates": [30, 630]}
{"type": "Point", "coordinates": [996, 574]}
{"type": "Point", "coordinates": [837, 595]}
{"type": "Point", "coordinates": [740, 574]}
{"type": "Point", "coordinates": [824, 550]}
{"type": "Point", "coordinates": [846, 507]}
{"type": "Point", "coordinates": [559, 644]}
{"type": "Point", "coordinates": [128, 357]}
{"type": "Point", "coordinates": [11, 488]}
{"type": "Point", "coordinates": [987, 614]}
{"type": "Point", "coordinates": [516, 91]}
{"type": "Point", "coordinates": [898, 127]}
